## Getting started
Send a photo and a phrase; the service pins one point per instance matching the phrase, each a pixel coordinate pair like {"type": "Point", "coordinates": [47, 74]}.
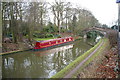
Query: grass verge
{"type": "Point", "coordinates": [41, 39]}
{"type": "Point", "coordinates": [72, 65]}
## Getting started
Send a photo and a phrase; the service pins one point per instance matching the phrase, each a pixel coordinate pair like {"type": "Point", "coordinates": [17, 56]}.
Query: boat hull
{"type": "Point", "coordinates": [54, 46]}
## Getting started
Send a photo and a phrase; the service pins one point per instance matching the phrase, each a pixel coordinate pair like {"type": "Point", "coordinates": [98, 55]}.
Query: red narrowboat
{"type": "Point", "coordinates": [52, 42]}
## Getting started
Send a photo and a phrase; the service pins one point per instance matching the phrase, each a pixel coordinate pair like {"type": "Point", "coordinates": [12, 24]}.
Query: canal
{"type": "Point", "coordinates": [43, 64]}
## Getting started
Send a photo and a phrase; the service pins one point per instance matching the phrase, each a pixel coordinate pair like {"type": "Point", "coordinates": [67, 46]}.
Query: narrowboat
{"type": "Point", "coordinates": [52, 43]}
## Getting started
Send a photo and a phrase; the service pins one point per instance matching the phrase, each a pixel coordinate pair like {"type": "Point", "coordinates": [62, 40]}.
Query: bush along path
{"type": "Point", "coordinates": [80, 62]}
{"type": "Point", "coordinates": [109, 67]}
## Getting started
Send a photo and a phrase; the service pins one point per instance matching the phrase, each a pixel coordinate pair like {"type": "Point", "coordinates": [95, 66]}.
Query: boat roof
{"type": "Point", "coordinates": [52, 39]}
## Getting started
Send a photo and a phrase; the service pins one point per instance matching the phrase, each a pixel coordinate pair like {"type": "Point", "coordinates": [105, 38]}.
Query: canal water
{"type": "Point", "coordinates": [43, 64]}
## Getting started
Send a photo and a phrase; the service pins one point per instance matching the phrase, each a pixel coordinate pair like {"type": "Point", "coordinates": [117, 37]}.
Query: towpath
{"type": "Point", "coordinates": [69, 75]}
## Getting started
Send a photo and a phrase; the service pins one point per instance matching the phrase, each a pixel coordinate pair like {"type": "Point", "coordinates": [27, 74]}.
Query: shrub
{"type": "Point", "coordinates": [57, 35]}
{"type": "Point", "coordinates": [49, 35]}
{"type": "Point", "coordinates": [39, 35]}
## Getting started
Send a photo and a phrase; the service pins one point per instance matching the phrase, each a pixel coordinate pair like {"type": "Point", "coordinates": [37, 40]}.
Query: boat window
{"type": "Point", "coordinates": [67, 39]}
{"type": "Point", "coordinates": [60, 40]}
{"type": "Point", "coordinates": [56, 42]}
{"type": "Point", "coordinates": [64, 40]}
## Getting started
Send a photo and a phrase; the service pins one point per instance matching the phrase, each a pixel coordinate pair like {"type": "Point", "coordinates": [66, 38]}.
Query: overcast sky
{"type": "Point", "coordinates": [106, 11]}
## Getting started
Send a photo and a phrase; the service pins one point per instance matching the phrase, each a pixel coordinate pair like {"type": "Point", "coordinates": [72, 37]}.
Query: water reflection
{"type": "Point", "coordinates": [42, 64]}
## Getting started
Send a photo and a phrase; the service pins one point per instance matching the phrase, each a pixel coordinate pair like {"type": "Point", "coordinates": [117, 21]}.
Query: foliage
{"type": "Point", "coordinates": [113, 37]}
{"type": "Point", "coordinates": [92, 34]}
{"type": "Point", "coordinates": [49, 35]}
{"type": "Point", "coordinates": [38, 35]}
{"type": "Point", "coordinates": [57, 35]}
{"type": "Point", "coordinates": [80, 34]}
{"type": "Point", "coordinates": [115, 27]}
{"type": "Point", "coordinates": [50, 28]}
{"type": "Point", "coordinates": [105, 26]}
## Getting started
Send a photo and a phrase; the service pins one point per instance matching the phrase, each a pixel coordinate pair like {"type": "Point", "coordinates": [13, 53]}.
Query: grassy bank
{"type": "Point", "coordinates": [72, 65]}
{"type": "Point", "coordinates": [41, 39]}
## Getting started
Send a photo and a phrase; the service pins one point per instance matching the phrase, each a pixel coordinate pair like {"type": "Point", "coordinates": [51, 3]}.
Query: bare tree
{"type": "Point", "coordinates": [68, 13]}
{"type": "Point", "coordinates": [58, 9]}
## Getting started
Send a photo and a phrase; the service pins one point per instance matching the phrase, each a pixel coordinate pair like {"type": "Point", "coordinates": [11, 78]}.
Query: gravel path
{"type": "Point", "coordinates": [69, 75]}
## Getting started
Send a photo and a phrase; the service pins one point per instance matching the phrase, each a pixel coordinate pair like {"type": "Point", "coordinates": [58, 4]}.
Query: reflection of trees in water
{"type": "Point", "coordinates": [61, 59]}
{"type": "Point", "coordinates": [57, 59]}
{"type": "Point", "coordinates": [27, 66]}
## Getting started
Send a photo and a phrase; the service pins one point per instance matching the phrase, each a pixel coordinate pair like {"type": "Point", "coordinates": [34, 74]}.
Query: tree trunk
{"type": "Point", "coordinates": [13, 24]}
{"type": "Point", "coordinates": [54, 20]}
{"type": "Point", "coordinates": [66, 24]}
{"type": "Point", "coordinates": [66, 21]}
{"type": "Point", "coordinates": [59, 25]}
{"type": "Point", "coordinates": [41, 20]}
{"type": "Point", "coordinates": [58, 21]}
{"type": "Point", "coordinates": [20, 23]}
